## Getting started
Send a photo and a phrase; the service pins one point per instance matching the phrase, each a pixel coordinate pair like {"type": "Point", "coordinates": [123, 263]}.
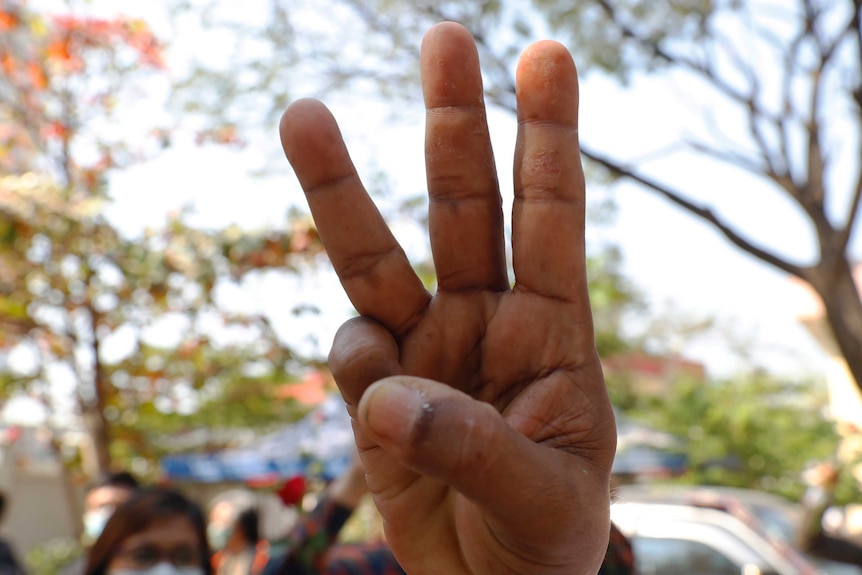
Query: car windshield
{"type": "Point", "coordinates": [679, 557]}
{"type": "Point", "coordinates": [776, 522]}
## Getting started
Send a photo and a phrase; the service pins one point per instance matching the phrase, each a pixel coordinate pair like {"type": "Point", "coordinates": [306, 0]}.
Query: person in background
{"type": "Point", "coordinates": [101, 498]}
{"type": "Point", "coordinates": [9, 564]}
{"type": "Point", "coordinates": [819, 496]}
{"type": "Point", "coordinates": [158, 531]}
{"type": "Point", "coordinates": [620, 559]}
{"type": "Point", "coordinates": [311, 544]}
{"type": "Point", "coordinates": [233, 532]}
{"type": "Point", "coordinates": [313, 549]}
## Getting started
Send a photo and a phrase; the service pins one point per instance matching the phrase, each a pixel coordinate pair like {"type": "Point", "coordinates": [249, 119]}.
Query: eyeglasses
{"type": "Point", "coordinates": [145, 556]}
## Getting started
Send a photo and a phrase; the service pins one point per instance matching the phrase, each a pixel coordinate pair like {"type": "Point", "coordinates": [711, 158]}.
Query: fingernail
{"type": "Point", "coordinates": [392, 410]}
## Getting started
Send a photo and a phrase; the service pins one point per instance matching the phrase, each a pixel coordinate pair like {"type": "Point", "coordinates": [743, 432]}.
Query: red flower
{"type": "Point", "coordinates": [292, 491]}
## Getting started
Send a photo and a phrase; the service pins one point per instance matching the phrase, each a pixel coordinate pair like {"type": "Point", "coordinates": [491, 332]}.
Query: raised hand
{"type": "Point", "coordinates": [480, 412]}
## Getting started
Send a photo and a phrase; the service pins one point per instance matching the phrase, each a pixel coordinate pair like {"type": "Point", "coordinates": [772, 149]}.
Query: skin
{"type": "Point", "coordinates": [480, 412]}
{"type": "Point", "coordinates": [107, 496]}
{"type": "Point", "coordinates": [224, 515]}
{"type": "Point", "coordinates": [166, 536]}
{"type": "Point", "coordinates": [349, 488]}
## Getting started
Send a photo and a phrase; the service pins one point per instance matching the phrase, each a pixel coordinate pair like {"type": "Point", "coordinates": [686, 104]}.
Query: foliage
{"type": "Point", "coordinates": [52, 557]}
{"type": "Point", "coordinates": [140, 330]}
{"type": "Point", "coordinates": [614, 299]}
{"type": "Point", "coordinates": [61, 80]}
{"type": "Point", "coordinates": [72, 288]}
{"type": "Point", "coordinates": [751, 431]}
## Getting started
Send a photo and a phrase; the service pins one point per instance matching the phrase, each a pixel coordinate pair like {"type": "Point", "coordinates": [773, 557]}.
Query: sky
{"type": "Point", "coordinates": [681, 265]}
{"type": "Point", "coordinates": [686, 270]}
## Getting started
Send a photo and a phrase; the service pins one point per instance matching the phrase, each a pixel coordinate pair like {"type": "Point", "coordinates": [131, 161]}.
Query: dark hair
{"type": "Point", "coordinates": [122, 479]}
{"type": "Point", "coordinates": [146, 507]}
{"type": "Point", "coordinates": [248, 523]}
{"type": "Point", "coordinates": [2, 504]}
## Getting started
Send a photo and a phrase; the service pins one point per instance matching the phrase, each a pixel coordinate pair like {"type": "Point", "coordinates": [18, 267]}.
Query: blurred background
{"type": "Point", "coordinates": [166, 306]}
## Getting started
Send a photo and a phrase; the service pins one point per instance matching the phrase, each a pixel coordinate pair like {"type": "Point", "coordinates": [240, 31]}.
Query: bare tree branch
{"type": "Point", "coordinates": [737, 159]}
{"type": "Point", "coordinates": [699, 211]}
{"type": "Point", "coordinates": [847, 229]}
{"type": "Point", "coordinates": [854, 28]}
{"type": "Point", "coordinates": [741, 160]}
{"type": "Point", "coordinates": [787, 108]}
{"type": "Point", "coordinates": [774, 168]}
{"type": "Point", "coordinates": [702, 69]}
{"type": "Point", "coordinates": [813, 192]}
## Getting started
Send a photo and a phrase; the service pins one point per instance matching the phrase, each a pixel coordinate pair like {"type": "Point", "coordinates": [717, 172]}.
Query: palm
{"type": "Point", "coordinates": [518, 363]}
{"type": "Point", "coordinates": [462, 489]}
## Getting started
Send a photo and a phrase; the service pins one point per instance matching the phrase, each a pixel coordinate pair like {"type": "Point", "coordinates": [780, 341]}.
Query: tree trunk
{"type": "Point", "coordinates": [841, 299]}
{"type": "Point", "coordinates": [69, 491]}
{"type": "Point", "coordinates": [100, 435]}
{"type": "Point", "coordinates": [97, 423]}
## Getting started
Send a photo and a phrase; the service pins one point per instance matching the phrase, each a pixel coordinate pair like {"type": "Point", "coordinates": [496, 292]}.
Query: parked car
{"type": "Point", "coordinates": [714, 531]}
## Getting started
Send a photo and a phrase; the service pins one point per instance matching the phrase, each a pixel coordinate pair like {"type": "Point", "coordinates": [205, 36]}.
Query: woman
{"type": "Point", "coordinates": [157, 532]}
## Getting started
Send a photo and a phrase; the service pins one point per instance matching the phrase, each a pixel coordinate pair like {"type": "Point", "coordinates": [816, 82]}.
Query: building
{"type": "Point", "coordinates": [845, 400]}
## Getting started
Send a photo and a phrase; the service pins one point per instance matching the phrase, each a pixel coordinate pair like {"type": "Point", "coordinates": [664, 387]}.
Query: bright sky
{"type": "Point", "coordinates": [681, 264]}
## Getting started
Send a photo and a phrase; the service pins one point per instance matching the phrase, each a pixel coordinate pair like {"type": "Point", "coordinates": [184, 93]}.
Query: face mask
{"type": "Point", "coordinates": [94, 521]}
{"type": "Point", "coordinates": [163, 568]}
{"type": "Point", "coordinates": [217, 536]}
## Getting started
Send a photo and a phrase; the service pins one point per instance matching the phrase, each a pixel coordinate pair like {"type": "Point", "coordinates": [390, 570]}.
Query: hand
{"type": "Point", "coordinates": [480, 413]}
{"type": "Point", "coordinates": [350, 487]}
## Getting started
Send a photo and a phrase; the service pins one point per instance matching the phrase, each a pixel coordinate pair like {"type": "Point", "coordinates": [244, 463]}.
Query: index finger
{"type": "Point", "coordinates": [371, 265]}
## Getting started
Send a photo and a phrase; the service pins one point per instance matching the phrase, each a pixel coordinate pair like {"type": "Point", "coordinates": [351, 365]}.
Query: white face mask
{"type": "Point", "coordinates": [218, 536]}
{"type": "Point", "coordinates": [95, 520]}
{"type": "Point", "coordinates": [163, 568]}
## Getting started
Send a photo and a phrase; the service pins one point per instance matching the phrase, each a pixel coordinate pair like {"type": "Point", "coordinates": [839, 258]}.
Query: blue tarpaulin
{"type": "Point", "coordinates": [321, 443]}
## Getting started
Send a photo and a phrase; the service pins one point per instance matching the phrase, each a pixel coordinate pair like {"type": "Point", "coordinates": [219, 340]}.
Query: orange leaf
{"type": "Point", "coordinates": [7, 63]}
{"type": "Point", "coordinates": [37, 76]}
{"type": "Point", "coordinates": [56, 130]}
{"type": "Point", "coordinates": [59, 50]}
{"type": "Point", "coordinates": [8, 21]}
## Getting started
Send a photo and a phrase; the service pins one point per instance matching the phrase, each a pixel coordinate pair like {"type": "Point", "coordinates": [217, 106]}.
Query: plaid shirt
{"type": "Point", "coordinates": [619, 559]}
{"type": "Point", "coordinates": [313, 550]}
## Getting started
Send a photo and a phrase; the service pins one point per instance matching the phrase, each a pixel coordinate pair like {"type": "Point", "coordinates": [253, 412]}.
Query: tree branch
{"type": "Point", "coordinates": [780, 172]}
{"type": "Point", "coordinates": [737, 159]}
{"type": "Point", "coordinates": [854, 28]}
{"type": "Point", "coordinates": [813, 192]}
{"type": "Point", "coordinates": [699, 211]}
{"type": "Point", "coordinates": [704, 70]}
{"type": "Point", "coordinates": [787, 109]}
{"type": "Point", "coordinates": [847, 229]}
{"type": "Point", "coordinates": [741, 160]}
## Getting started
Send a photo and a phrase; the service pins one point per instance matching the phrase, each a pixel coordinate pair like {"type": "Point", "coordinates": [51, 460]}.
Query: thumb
{"type": "Point", "coordinates": [445, 434]}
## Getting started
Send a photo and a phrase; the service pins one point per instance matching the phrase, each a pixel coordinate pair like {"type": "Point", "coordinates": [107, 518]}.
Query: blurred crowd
{"type": "Point", "coordinates": [135, 529]}
{"type": "Point", "coordinates": [140, 530]}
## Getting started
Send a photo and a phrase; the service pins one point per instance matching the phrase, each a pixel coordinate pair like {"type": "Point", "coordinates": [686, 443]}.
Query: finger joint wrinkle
{"type": "Point", "coordinates": [332, 184]}
{"type": "Point", "coordinates": [365, 265]}
{"type": "Point", "coordinates": [568, 127]}
{"type": "Point", "coordinates": [545, 294]}
{"type": "Point", "coordinates": [456, 193]}
{"type": "Point", "coordinates": [449, 109]}
{"type": "Point", "coordinates": [536, 195]}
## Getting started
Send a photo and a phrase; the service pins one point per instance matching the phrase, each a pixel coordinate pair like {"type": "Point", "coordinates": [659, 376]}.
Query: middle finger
{"type": "Point", "coordinates": [466, 215]}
